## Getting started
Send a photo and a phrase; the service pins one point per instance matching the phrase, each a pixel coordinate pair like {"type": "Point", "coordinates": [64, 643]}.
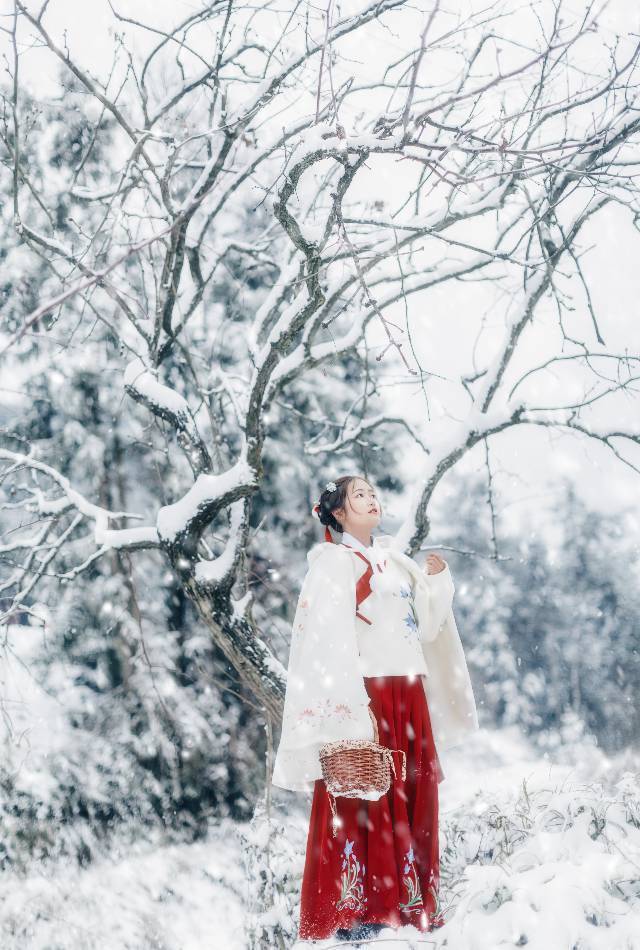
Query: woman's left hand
{"type": "Point", "coordinates": [434, 564]}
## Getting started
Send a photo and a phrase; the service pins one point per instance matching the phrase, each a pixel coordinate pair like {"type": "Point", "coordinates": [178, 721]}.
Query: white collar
{"type": "Point", "coordinates": [355, 542]}
{"type": "Point", "coordinates": [372, 553]}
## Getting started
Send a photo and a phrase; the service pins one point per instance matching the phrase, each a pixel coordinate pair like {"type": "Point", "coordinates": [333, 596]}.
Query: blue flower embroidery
{"type": "Point", "coordinates": [411, 618]}
{"type": "Point", "coordinates": [410, 879]}
{"type": "Point", "coordinates": [410, 621]}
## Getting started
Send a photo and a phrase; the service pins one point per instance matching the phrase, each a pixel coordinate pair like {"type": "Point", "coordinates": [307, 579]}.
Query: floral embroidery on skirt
{"type": "Point", "coordinates": [412, 884]}
{"type": "Point", "coordinates": [351, 881]}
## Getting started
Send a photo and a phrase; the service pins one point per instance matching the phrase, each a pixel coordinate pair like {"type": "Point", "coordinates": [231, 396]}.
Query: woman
{"type": "Point", "coordinates": [374, 633]}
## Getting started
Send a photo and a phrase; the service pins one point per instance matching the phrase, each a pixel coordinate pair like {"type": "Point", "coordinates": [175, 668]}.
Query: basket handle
{"type": "Point", "coordinates": [401, 751]}
{"type": "Point", "coordinates": [376, 737]}
{"type": "Point", "coordinates": [334, 820]}
{"type": "Point", "coordinates": [389, 753]}
{"type": "Point", "coordinates": [332, 801]}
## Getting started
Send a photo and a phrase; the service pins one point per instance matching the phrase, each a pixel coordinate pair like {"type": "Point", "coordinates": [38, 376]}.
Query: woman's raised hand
{"type": "Point", "coordinates": [434, 564]}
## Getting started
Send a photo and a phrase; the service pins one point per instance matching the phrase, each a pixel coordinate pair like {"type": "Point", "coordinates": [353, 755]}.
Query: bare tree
{"type": "Point", "coordinates": [501, 149]}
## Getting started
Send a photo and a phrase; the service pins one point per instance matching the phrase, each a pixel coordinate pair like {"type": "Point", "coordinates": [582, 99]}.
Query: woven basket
{"type": "Point", "coordinates": [354, 767]}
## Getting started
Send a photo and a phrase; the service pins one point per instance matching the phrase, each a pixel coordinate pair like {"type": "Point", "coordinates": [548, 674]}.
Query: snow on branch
{"type": "Point", "coordinates": [349, 24]}
{"type": "Point", "coordinates": [356, 433]}
{"type": "Point", "coordinates": [491, 411]}
{"type": "Point", "coordinates": [122, 538]}
{"type": "Point", "coordinates": [208, 495]}
{"type": "Point", "coordinates": [165, 403]}
{"type": "Point", "coordinates": [215, 571]}
{"type": "Point", "coordinates": [558, 418]}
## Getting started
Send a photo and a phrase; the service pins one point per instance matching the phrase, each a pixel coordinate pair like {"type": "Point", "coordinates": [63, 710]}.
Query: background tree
{"type": "Point", "coordinates": [227, 268]}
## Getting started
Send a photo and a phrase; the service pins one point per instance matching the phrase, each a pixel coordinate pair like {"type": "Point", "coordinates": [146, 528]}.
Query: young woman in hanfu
{"type": "Point", "coordinates": [372, 632]}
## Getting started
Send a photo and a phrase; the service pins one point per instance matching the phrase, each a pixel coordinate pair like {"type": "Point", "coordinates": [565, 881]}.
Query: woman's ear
{"type": "Point", "coordinates": [338, 514]}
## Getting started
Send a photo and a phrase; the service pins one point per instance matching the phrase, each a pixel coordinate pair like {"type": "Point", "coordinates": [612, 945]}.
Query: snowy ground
{"type": "Point", "coordinates": [565, 873]}
{"type": "Point", "coordinates": [181, 897]}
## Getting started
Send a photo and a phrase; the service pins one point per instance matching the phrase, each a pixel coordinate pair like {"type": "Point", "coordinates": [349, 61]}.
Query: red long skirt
{"type": "Point", "coordinates": [383, 866]}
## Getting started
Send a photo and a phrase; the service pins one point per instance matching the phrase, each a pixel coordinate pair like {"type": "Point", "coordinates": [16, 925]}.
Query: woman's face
{"type": "Point", "coordinates": [362, 507]}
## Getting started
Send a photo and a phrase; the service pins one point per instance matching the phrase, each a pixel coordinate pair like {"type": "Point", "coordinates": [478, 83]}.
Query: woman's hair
{"type": "Point", "coordinates": [330, 500]}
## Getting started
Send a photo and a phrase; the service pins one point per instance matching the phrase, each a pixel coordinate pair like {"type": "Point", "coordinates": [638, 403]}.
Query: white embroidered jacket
{"type": "Point", "coordinates": [332, 650]}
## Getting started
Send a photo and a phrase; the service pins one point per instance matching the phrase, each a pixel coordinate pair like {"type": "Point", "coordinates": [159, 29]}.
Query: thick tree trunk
{"type": "Point", "coordinates": [248, 655]}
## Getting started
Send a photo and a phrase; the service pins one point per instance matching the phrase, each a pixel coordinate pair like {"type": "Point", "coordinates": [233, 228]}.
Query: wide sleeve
{"type": "Point", "coordinates": [433, 598]}
{"type": "Point", "coordinates": [325, 698]}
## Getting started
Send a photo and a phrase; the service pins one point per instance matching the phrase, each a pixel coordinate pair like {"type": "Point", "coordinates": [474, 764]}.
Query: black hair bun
{"type": "Point", "coordinates": [329, 500]}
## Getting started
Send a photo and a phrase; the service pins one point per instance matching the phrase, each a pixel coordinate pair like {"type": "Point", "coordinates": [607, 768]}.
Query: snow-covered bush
{"type": "Point", "coordinates": [273, 846]}
{"type": "Point", "coordinates": [84, 757]}
{"type": "Point", "coordinates": [553, 868]}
